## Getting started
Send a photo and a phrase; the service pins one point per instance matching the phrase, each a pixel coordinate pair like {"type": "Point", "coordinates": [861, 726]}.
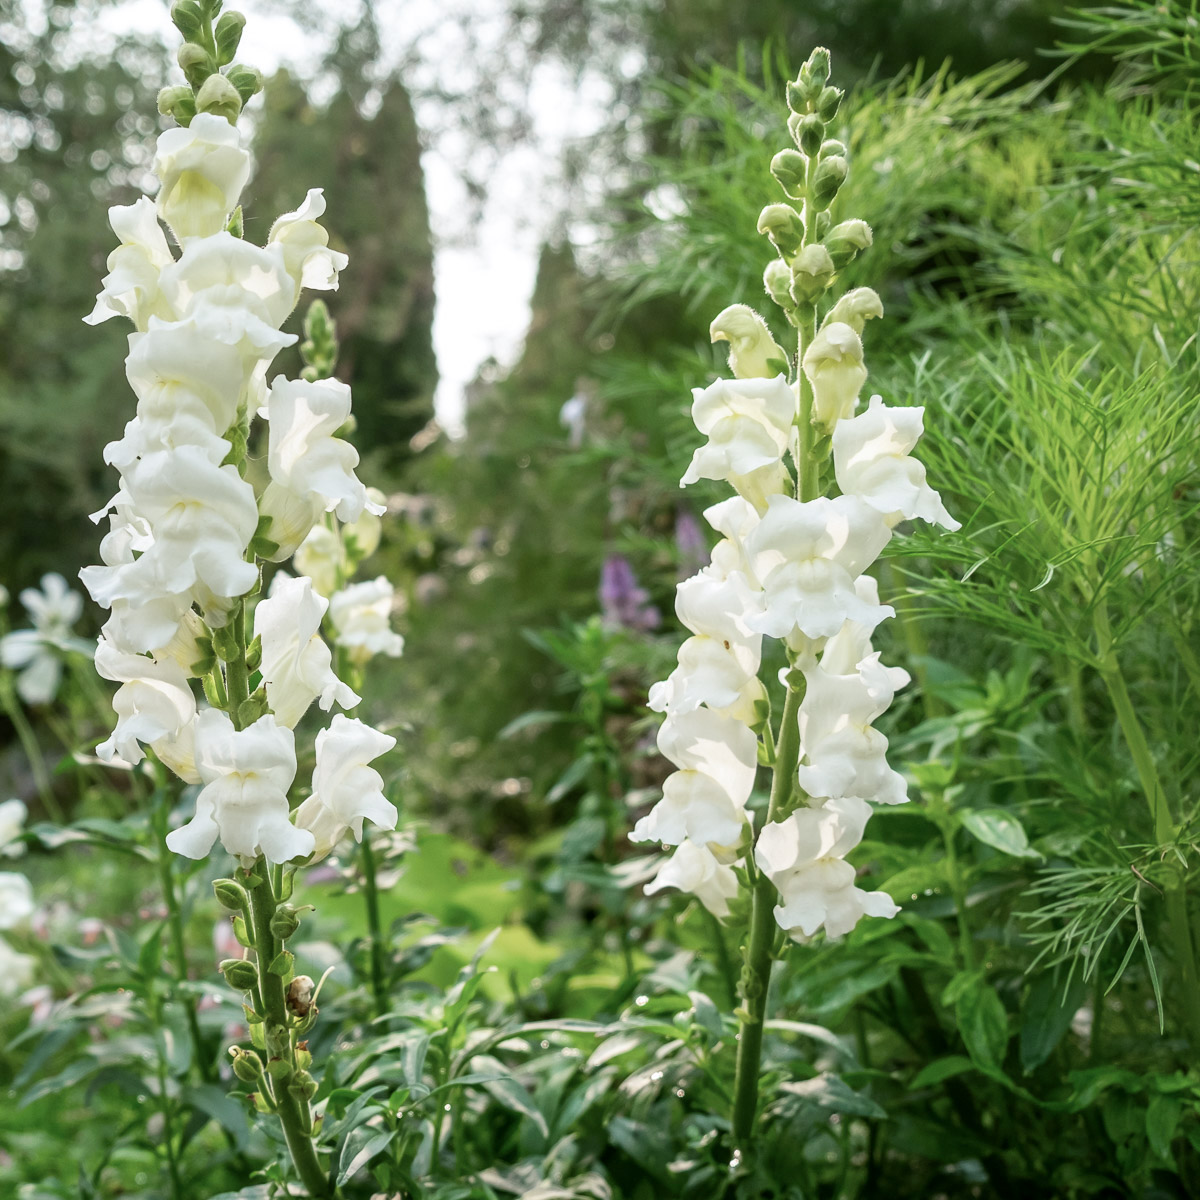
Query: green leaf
{"type": "Point", "coordinates": [1046, 1015]}
{"type": "Point", "coordinates": [513, 1096]}
{"type": "Point", "coordinates": [833, 1094]}
{"type": "Point", "coordinates": [941, 1069]}
{"type": "Point", "coordinates": [1162, 1121]}
{"type": "Point", "coordinates": [1000, 830]}
{"type": "Point", "coordinates": [361, 1145]}
{"type": "Point", "coordinates": [983, 1024]}
{"type": "Point", "coordinates": [533, 720]}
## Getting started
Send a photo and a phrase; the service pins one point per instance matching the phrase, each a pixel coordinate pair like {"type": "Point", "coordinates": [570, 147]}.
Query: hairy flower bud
{"type": "Point", "coordinates": [177, 102]}
{"type": "Point", "coordinates": [855, 308]}
{"type": "Point", "coordinates": [753, 352]}
{"type": "Point", "coordinates": [220, 97]}
{"type": "Point", "coordinates": [789, 168]}
{"type": "Point", "coordinates": [247, 80]}
{"type": "Point", "coordinates": [231, 896]}
{"type": "Point", "coordinates": [809, 132]}
{"type": "Point", "coordinates": [811, 272]}
{"type": "Point", "coordinates": [831, 147]}
{"type": "Point", "coordinates": [828, 103]}
{"type": "Point", "coordinates": [195, 62]}
{"type": "Point", "coordinates": [846, 240]}
{"type": "Point", "coordinates": [831, 174]}
{"type": "Point", "coordinates": [285, 922]}
{"type": "Point", "coordinates": [777, 279]}
{"type": "Point", "coordinates": [239, 973]}
{"type": "Point", "coordinates": [228, 35]}
{"type": "Point", "coordinates": [782, 224]}
{"type": "Point", "coordinates": [188, 19]}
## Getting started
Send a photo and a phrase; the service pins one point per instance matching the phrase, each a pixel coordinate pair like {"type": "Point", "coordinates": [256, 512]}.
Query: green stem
{"type": "Point", "coordinates": [237, 676]}
{"type": "Point", "coordinates": [954, 876]}
{"type": "Point", "coordinates": [757, 974]}
{"type": "Point", "coordinates": [1178, 920]}
{"type": "Point", "coordinates": [290, 1104]}
{"type": "Point", "coordinates": [33, 750]}
{"type": "Point", "coordinates": [374, 925]}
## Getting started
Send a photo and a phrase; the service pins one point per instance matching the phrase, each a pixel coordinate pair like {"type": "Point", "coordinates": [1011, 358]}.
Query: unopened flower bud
{"type": "Point", "coordinates": [285, 922]}
{"type": "Point", "coordinates": [829, 102]}
{"type": "Point", "coordinates": [218, 96]}
{"type": "Point", "coordinates": [824, 220]}
{"type": "Point", "coordinates": [239, 973]}
{"type": "Point", "coordinates": [188, 19]}
{"type": "Point", "coordinates": [753, 352]}
{"type": "Point", "coordinates": [247, 1066]}
{"type": "Point", "coordinates": [782, 224]}
{"type": "Point", "coordinates": [831, 147]}
{"type": "Point", "coordinates": [230, 894]}
{"type": "Point", "coordinates": [227, 35]}
{"type": "Point", "coordinates": [178, 102]}
{"type": "Point", "coordinates": [247, 81]}
{"type": "Point", "coordinates": [789, 167]}
{"type": "Point", "coordinates": [818, 65]}
{"type": "Point", "coordinates": [797, 96]}
{"type": "Point", "coordinates": [299, 996]}
{"type": "Point", "coordinates": [831, 174]}
{"type": "Point", "coordinates": [809, 133]}
{"type": "Point", "coordinates": [855, 308]}
{"type": "Point", "coordinates": [777, 279]}
{"type": "Point", "coordinates": [811, 272]}
{"type": "Point", "coordinates": [195, 62]}
{"type": "Point", "coordinates": [846, 240]}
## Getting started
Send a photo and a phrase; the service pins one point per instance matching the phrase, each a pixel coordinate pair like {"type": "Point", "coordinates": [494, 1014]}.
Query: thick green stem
{"type": "Point", "coordinates": [290, 1103]}
{"type": "Point", "coordinates": [237, 676]}
{"type": "Point", "coordinates": [1178, 919]}
{"type": "Point", "coordinates": [757, 973]}
{"type": "Point", "coordinates": [374, 926]}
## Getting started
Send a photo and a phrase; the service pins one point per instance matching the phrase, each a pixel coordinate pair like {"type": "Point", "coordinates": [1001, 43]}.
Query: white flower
{"type": "Point", "coordinates": [748, 423]}
{"type": "Point", "coordinates": [695, 869]}
{"type": "Point", "coordinates": [203, 169]}
{"type": "Point", "coordinates": [296, 662]}
{"type": "Point", "coordinates": [803, 856]}
{"type": "Point", "coordinates": [16, 900]}
{"type": "Point", "coordinates": [16, 971]}
{"type": "Point", "coordinates": [12, 819]}
{"type": "Point", "coordinates": [753, 352]}
{"type": "Point", "coordinates": [131, 285]}
{"type": "Point", "coordinates": [852, 643]}
{"type": "Point", "coordinates": [246, 777]}
{"type": "Point", "coordinates": [710, 672]}
{"type": "Point", "coordinates": [807, 556]}
{"type": "Point", "coordinates": [304, 456]}
{"type": "Point", "coordinates": [735, 519]}
{"type": "Point", "coordinates": [363, 534]}
{"type": "Point", "coordinates": [305, 246]}
{"type": "Point", "coordinates": [345, 790]}
{"type": "Point", "coordinates": [871, 457]}
{"type": "Point", "coordinates": [360, 614]}
{"type": "Point", "coordinates": [696, 808]}
{"type": "Point", "coordinates": [720, 747]}
{"type": "Point", "coordinates": [833, 363]}
{"type": "Point", "coordinates": [721, 606]}
{"type": "Point", "coordinates": [321, 558]}
{"type": "Point", "coordinates": [37, 653]}
{"type": "Point", "coordinates": [154, 706]}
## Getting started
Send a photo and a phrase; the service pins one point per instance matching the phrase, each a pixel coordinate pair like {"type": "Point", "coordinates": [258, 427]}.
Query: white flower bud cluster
{"type": "Point", "coordinates": [792, 570]}
{"type": "Point", "coordinates": [186, 527]}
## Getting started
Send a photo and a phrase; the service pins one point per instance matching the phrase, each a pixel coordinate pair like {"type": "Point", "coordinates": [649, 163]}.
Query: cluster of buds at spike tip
{"type": "Point", "coordinates": [215, 83]}
{"type": "Point", "coordinates": [790, 564]}
{"type": "Point", "coordinates": [811, 249]}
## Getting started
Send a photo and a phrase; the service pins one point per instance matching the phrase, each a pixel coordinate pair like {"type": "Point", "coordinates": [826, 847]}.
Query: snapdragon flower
{"type": "Point", "coordinates": [361, 618]}
{"type": "Point", "coordinates": [130, 289]}
{"type": "Point", "coordinates": [833, 363]}
{"type": "Point", "coordinates": [37, 653]}
{"type": "Point", "coordinates": [696, 870]}
{"type": "Point", "coordinates": [16, 900]}
{"type": "Point", "coordinates": [202, 169]}
{"type": "Point", "coordinates": [246, 775]}
{"type": "Point", "coordinates": [346, 791]}
{"type": "Point", "coordinates": [12, 820]}
{"type": "Point", "coordinates": [305, 246]}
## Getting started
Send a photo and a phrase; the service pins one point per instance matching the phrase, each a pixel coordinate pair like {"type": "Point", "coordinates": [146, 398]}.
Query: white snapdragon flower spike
{"type": "Point", "coordinates": [154, 706]}
{"type": "Point", "coordinates": [804, 857]}
{"type": "Point", "coordinates": [246, 776]}
{"type": "Point", "coordinates": [695, 808]}
{"type": "Point", "coordinates": [346, 791]}
{"type": "Point", "coordinates": [16, 971]}
{"type": "Point", "coordinates": [37, 653]}
{"type": "Point", "coordinates": [716, 745]}
{"type": "Point", "coordinates": [12, 822]}
{"type": "Point", "coordinates": [131, 287]}
{"type": "Point", "coordinates": [305, 246]}
{"type": "Point", "coordinates": [297, 665]}
{"type": "Point", "coordinates": [833, 363]}
{"type": "Point", "coordinates": [807, 556]}
{"type": "Point", "coordinates": [749, 424]}
{"type": "Point", "coordinates": [16, 900]}
{"type": "Point", "coordinates": [695, 869]}
{"type": "Point", "coordinates": [203, 169]}
{"type": "Point", "coordinates": [361, 616]}
{"type": "Point", "coordinates": [872, 460]}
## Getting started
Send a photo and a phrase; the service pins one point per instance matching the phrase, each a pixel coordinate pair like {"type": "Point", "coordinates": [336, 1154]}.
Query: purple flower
{"type": "Point", "coordinates": [690, 544]}
{"type": "Point", "coordinates": [622, 601]}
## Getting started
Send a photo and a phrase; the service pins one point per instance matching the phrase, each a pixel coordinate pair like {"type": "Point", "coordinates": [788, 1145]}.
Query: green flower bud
{"type": "Point", "coordinates": [239, 973]}
{"type": "Point", "coordinates": [777, 279]}
{"type": "Point", "coordinates": [227, 35]}
{"type": "Point", "coordinates": [828, 103]}
{"type": "Point", "coordinates": [247, 1066]}
{"type": "Point", "coordinates": [809, 133]}
{"type": "Point", "coordinates": [811, 273]}
{"type": "Point", "coordinates": [831, 174]}
{"type": "Point", "coordinates": [782, 224]}
{"type": "Point", "coordinates": [220, 97]}
{"type": "Point", "coordinates": [196, 64]}
{"type": "Point", "coordinates": [855, 308]}
{"type": "Point", "coordinates": [789, 167]}
{"type": "Point", "coordinates": [797, 98]}
{"type": "Point", "coordinates": [753, 352]}
{"type": "Point", "coordinates": [824, 220]}
{"type": "Point", "coordinates": [247, 81]}
{"type": "Point", "coordinates": [831, 147]}
{"type": "Point", "coordinates": [230, 894]}
{"type": "Point", "coordinates": [818, 65]}
{"type": "Point", "coordinates": [188, 19]}
{"type": "Point", "coordinates": [251, 709]}
{"type": "Point", "coordinates": [178, 103]}
{"type": "Point", "coordinates": [285, 922]}
{"type": "Point", "coordinates": [846, 240]}
{"type": "Point", "coordinates": [303, 1085]}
